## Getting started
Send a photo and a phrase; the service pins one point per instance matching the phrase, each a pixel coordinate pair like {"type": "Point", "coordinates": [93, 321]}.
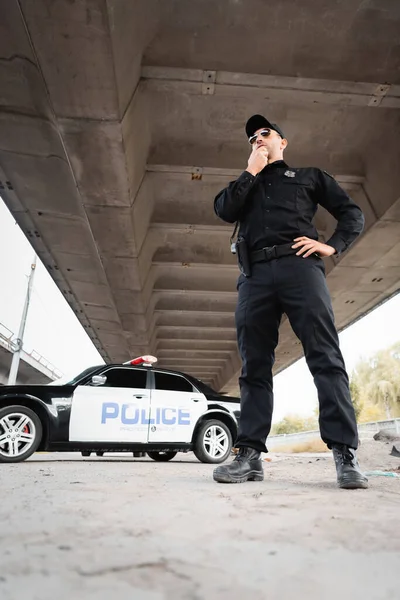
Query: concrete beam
{"type": "Point", "coordinates": [269, 87]}
{"type": "Point", "coordinates": [198, 172]}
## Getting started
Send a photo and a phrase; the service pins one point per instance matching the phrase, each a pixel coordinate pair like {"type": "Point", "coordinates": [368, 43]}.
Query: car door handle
{"type": "Point", "coordinates": [195, 399]}
{"type": "Point", "coordinates": [138, 396]}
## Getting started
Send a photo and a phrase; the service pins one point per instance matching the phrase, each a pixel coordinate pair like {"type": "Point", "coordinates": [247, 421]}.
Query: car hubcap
{"type": "Point", "coordinates": [215, 441]}
{"type": "Point", "coordinates": [17, 434]}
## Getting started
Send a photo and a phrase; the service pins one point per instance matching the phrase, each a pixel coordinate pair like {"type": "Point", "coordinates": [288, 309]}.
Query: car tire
{"type": "Point", "coordinates": [99, 453]}
{"type": "Point", "coordinates": [162, 456]}
{"type": "Point", "coordinates": [86, 453]}
{"type": "Point", "coordinates": [31, 433]}
{"type": "Point", "coordinates": [205, 448]}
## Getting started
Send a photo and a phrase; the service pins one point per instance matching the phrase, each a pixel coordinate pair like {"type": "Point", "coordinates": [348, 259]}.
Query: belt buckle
{"type": "Point", "coordinates": [269, 252]}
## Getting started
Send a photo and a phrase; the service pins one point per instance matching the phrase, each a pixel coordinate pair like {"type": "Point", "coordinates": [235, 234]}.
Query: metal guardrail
{"type": "Point", "coordinates": [11, 343]}
{"type": "Point", "coordinates": [6, 334]}
{"type": "Point", "coordinates": [45, 363]}
{"type": "Point", "coordinates": [375, 426]}
{"type": "Point", "coordinates": [366, 431]}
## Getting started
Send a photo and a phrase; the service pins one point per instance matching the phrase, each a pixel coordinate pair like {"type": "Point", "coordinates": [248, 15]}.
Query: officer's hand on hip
{"type": "Point", "coordinates": [258, 160]}
{"type": "Point", "coordinates": [308, 246]}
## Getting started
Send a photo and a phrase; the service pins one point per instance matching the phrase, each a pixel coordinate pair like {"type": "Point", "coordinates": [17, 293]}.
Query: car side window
{"type": "Point", "coordinates": [125, 378]}
{"type": "Point", "coordinates": [173, 383]}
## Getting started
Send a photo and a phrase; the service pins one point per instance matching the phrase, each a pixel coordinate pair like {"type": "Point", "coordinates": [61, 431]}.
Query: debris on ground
{"type": "Point", "coordinates": [395, 451]}
{"type": "Point", "coordinates": [386, 435]}
{"type": "Point", "coordinates": [381, 474]}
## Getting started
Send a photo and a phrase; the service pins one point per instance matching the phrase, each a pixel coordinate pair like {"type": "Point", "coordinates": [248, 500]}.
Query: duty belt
{"type": "Point", "coordinates": [271, 252]}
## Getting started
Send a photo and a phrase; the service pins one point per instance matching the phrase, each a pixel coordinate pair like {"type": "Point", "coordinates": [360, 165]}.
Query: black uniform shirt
{"type": "Point", "coordinates": [279, 203]}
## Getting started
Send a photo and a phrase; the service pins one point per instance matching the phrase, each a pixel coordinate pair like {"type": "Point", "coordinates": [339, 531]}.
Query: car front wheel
{"type": "Point", "coordinates": [162, 456]}
{"type": "Point", "coordinates": [20, 433]}
{"type": "Point", "coordinates": [213, 442]}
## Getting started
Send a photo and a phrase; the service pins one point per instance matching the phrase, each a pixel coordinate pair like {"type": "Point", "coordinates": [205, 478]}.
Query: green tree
{"type": "Point", "coordinates": [356, 398]}
{"type": "Point", "coordinates": [375, 386]}
{"type": "Point", "coordinates": [294, 424]}
{"type": "Point", "coordinates": [384, 393]}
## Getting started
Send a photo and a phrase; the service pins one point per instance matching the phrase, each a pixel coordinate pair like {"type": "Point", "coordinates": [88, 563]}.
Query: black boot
{"type": "Point", "coordinates": [246, 466]}
{"type": "Point", "coordinates": [349, 475]}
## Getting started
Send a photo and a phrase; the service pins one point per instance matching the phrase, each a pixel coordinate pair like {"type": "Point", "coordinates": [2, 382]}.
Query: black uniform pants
{"type": "Point", "coordinates": [295, 286]}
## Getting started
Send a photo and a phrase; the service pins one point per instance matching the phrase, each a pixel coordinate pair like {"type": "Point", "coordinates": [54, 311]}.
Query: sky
{"type": "Point", "coordinates": [53, 330]}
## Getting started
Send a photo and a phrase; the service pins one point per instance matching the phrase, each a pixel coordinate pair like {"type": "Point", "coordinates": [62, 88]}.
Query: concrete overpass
{"type": "Point", "coordinates": [33, 367]}
{"type": "Point", "coordinates": [121, 119]}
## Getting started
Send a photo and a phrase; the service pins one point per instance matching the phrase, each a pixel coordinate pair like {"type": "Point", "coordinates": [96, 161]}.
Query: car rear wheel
{"type": "Point", "coordinates": [213, 442]}
{"type": "Point", "coordinates": [20, 433]}
{"type": "Point", "coordinates": [162, 456]}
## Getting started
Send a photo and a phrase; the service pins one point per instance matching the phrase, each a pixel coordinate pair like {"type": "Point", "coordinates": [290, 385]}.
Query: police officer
{"type": "Point", "coordinates": [283, 272]}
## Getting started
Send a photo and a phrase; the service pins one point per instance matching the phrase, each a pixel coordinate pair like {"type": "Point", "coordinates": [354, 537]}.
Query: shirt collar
{"type": "Point", "coordinates": [276, 164]}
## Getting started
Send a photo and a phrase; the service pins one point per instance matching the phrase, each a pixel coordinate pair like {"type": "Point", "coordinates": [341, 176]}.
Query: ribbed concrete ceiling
{"type": "Point", "coordinates": [120, 120]}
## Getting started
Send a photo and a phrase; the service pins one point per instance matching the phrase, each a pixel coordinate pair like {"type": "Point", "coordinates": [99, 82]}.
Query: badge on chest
{"type": "Point", "coordinates": [290, 174]}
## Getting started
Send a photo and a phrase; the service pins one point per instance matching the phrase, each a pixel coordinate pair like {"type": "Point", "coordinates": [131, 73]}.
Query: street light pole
{"type": "Point", "coordinates": [12, 377]}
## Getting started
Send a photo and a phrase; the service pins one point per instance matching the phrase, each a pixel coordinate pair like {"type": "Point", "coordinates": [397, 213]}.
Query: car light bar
{"type": "Point", "coordinates": [146, 360]}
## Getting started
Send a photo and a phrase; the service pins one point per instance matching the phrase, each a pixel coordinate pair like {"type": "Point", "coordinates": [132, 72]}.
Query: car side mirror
{"type": "Point", "coordinates": [99, 379]}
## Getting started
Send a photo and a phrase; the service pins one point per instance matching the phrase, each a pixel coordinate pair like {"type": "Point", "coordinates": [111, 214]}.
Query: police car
{"type": "Point", "coordinates": [131, 407]}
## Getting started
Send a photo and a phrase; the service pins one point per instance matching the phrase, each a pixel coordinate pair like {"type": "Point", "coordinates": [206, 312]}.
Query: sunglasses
{"type": "Point", "coordinates": [263, 133]}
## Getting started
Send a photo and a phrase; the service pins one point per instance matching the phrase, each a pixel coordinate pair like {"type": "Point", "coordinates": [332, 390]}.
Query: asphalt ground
{"type": "Point", "coordinates": [123, 528]}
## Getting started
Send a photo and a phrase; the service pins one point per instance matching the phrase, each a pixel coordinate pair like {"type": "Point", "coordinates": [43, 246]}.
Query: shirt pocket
{"type": "Point", "coordinates": [305, 205]}
{"type": "Point", "coordinates": [297, 197]}
{"type": "Point", "coordinates": [286, 197]}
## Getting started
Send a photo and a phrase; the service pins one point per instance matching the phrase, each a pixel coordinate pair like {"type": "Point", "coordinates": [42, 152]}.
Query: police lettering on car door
{"type": "Point", "coordinates": [131, 414]}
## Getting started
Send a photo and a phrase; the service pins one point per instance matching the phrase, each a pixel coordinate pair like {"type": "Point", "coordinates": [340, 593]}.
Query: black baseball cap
{"type": "Point", "coordinates": [258, 122]}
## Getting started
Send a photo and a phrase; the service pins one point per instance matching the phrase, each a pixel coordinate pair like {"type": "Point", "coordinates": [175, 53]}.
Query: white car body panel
{"type": "Point", "coordinates": [174, 415]}
{"type": "Point", "coordinates": [106, 414]}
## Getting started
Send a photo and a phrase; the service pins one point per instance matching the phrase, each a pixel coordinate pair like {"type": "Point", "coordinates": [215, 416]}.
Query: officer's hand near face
{"type": "Point", "coordinates": [308, 246]}
{"type": "Point", "coordinates": [258, 160]}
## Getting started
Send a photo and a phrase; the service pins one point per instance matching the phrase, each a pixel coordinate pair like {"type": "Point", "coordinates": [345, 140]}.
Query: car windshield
{"type": "Point", "coordinates": [68, 380]}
